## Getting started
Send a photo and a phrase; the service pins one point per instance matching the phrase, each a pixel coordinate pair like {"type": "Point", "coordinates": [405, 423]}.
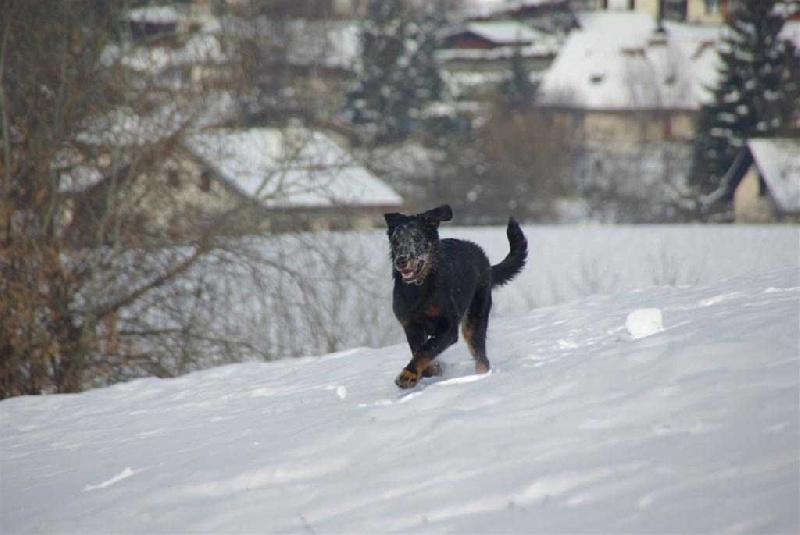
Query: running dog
{"type": "Point", "coordinates": [439, 284]}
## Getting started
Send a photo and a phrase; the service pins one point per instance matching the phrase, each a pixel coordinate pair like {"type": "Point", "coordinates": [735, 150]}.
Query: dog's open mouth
{"type": "Point", "coordinates": [411, 271]}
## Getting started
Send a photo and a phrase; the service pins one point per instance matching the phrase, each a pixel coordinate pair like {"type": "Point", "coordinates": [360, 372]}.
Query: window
{"type": "Point", "coordinates": [712, 6]}
{"type": "Point", "coordinates": [205, 180]}
{"type": "Point", "coordinates": [620, 5]}
{"type": "Point", "coordinates": [173, 179]}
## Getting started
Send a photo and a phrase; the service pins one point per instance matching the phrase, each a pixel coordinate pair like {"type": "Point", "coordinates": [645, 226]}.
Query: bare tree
{"type": "Point", "coordinates": [514, 163]}
{"type": "Point", "coordinates": [107, 270]}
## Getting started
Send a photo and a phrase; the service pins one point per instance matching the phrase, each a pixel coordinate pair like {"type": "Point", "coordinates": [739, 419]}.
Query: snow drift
{"type": "Point", "coordinates": [692, 427]}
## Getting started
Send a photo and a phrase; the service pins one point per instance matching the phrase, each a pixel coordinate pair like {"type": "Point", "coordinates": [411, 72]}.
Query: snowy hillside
{"type": "Point", "coordinates": [691, 425]}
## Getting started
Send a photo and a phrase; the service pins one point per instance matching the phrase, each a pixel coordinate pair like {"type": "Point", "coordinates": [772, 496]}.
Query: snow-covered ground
{"type": "Point", "coordinates": [668, 409]}
{"type": "Point", "coordinates": [344, 298]}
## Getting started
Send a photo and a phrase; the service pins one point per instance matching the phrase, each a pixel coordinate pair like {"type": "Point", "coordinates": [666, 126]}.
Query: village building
{"type": "Point", "coordinates": [236, 181]}
{"type": "Point", "coordinates": [621, 79]}
{"type": "Point", "coordinates": [694, 11]}
{"type": "Point", "coordinates": [476, 56]}
{"type": "Point", "coordinates": [294, 178]}
{"type": "Point", "coordinates": [151, 22]}
{"type": "Point", "coordinates": [767, 177]}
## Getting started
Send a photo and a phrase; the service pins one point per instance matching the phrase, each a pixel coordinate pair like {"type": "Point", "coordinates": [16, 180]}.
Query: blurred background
{"type": "Point", "coordinates": [188, 183]}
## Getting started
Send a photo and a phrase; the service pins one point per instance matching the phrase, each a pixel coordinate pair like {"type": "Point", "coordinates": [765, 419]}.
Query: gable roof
{"type": "Point", "coordinates": [153, 15]}
{"type": "Point", "coordinates": [290, 168]}
{"type": "Point", "coordinates": [505, 39]}
{"type": "Point", "coordinates": [618, 61]}
{"type": "Point", "coordinates": [199, 49]}
{"type": "Point", "coordinates": [778, 162]}
{"type": "Point", "coordinates": [501, 33]}
{"type": "Point", "coordinates": [489, 8]}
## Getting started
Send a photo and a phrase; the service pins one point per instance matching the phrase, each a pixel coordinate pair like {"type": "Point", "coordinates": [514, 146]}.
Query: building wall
{"type": "Point", "coordinates": [708, 11]}
{"type": "Point", "coordinates": [181, 198]}
{"type": "Point", "coordinates": [644, 6]}
{"type": "Point", "coordinates": [701, 11]}
{"type": "Point", "coordinates": [749, 205]}
{"type": "Point", "coordinates": [629, 126]}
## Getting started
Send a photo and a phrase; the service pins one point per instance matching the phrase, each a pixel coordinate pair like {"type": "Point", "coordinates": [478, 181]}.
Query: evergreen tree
{"type": "Point", "coordinates": [398, 75]}
{"type": "Point", "coordinates": [518, 88]}
{"type": "Point", "coordinates": [755, 95]}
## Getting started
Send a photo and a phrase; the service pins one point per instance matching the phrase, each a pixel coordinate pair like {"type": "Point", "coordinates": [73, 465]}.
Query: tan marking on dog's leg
{"type": "Point", "coordinates": [468, 332]}
{"type": "Point", "coordinates": [434, 369]}
{"type": "Point", "coordinates": [481, 362]}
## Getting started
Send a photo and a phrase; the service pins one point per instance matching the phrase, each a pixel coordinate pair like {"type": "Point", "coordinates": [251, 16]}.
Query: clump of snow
{"type": "Point", "coordinates": [644, 322]}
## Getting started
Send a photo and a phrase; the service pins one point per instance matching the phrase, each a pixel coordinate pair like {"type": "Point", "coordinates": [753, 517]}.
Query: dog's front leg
{"type": "Point", "coordinates": [423, 351]}
{"type": "Point", "coordinates": [415, 334]}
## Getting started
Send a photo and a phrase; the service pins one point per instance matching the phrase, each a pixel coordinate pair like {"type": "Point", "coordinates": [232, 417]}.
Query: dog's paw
{"type": "Point", "coordinates": [482, 367]}
{"type": "Point", "coordinates": [407, 379]}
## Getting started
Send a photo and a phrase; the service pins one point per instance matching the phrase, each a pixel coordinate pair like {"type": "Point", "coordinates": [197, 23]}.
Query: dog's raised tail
{"type": "Point", "coordinates": [513, 263]}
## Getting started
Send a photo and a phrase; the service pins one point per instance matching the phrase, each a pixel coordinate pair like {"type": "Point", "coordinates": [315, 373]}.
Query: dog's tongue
{"type": "Point", "coordinates": [407, 273]}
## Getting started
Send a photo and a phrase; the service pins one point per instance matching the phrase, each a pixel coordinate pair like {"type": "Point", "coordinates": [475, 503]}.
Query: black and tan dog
{"type": "Point", "coordinates": [439, 284]}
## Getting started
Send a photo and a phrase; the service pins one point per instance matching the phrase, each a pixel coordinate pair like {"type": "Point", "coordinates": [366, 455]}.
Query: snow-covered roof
{"type": "Point", "coordinates": [791, 32]}
{"type": "Point", "coordinates": [506, 37]}
{"type": "Point", "coordinates": [618, 61]}
{"type": "Point", "coordinates": [79, 179]}
{"type": "Point", "coordinates": [123, 127]}
{"type": "Point", "coordinates": [153, 15]}
{"type": "Point", "coordinates": [327, 43]}
{"type": "Point", "coordinates": [547, 48]}
{"type": "Point", "coordinates": [74, 175]}
{"type": "Point", "coordinates": [330, 43]}
{"type": "Point", "coordinates": [200, 49]}
{"type": "Point", "coordinates": [778, 161]}
{"type": "Point", "coordinates": [291, 168]}
{"type": "Point", "coordinates": [488, 8]}
{"type": "Point", "coordinates": [502, 32]}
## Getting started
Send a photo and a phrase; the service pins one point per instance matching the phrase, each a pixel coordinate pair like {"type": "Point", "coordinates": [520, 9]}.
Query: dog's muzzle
{"type": "Point", "coordinates": [409, 268]}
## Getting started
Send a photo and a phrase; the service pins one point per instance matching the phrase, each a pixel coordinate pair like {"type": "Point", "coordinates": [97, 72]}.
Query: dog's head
{"type": "Point", "coordinates": [414, 240]}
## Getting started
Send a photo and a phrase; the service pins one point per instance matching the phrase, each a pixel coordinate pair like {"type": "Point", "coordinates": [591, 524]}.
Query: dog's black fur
{"type": "Point", "coordinates": [441, 283]}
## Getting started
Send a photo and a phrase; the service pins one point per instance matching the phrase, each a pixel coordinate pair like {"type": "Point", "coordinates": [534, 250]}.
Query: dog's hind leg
{"type": "Point", "coordinates": [434, 369]}
{"type": "Point", "coordinates": [475, 326]}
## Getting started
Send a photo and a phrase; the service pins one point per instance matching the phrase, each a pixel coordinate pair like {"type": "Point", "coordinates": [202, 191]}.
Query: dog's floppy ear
{"type": "Point", "coordinates": [393, 219]}
{"type": "Point", "coordinates": [436, 215]}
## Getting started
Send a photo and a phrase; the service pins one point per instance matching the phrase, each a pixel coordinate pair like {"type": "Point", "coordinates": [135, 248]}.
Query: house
{"type": "Point", "coordinates": [238, 181]}
{"type": "Point", "coordinates": [151, 22]}
{"type": "Point", "coordinates": [294, 177]}
{"type": "Point", "coordinates": [620, 79]}
{"type": "Point", "coordinates": [177, 49]}
{"type": "Point", "coordinates": [189, 62]}
{"type": "Point", "coordinates": [318, 9]}
{"type": "Point", "coordinates": [767, 177]}
{"type": "Point", "coordinates": [706, 11]}
{"type": "Point", "coordinates": [527, 10]}
{"type": "Point", "coordinates": [476, 56]}
{"type": "Point", "coordinates": [490, 35]}
{"type": "Point", "coordinates": [694, 11]}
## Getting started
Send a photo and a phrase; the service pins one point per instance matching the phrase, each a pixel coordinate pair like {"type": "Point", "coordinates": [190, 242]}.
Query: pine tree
{"type": "Point", "coordinates": [518, 88]}
{"type": "Point", "coordinates": [398, 75]}
{"type": "Point", "coordinates": [756, 92]}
